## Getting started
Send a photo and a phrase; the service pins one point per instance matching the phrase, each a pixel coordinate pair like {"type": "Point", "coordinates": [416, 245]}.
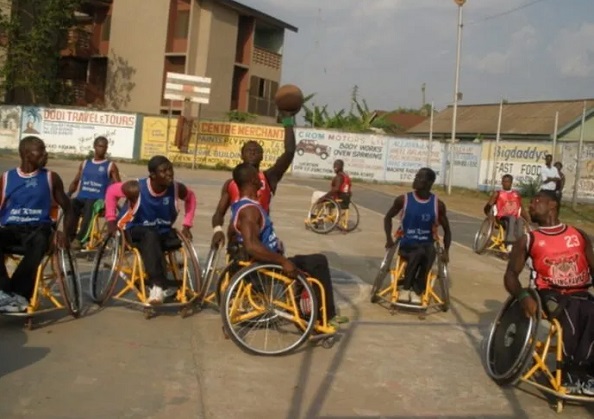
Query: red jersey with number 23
{"type": "Point", "coordinates": [559, 259]}
{"type": "Point", "coordinates": [508, 204]}
{"type": "Point", "coordinates": [264, 193]}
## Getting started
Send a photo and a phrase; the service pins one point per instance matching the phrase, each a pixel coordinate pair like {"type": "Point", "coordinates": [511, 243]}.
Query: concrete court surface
{"type": "Point", "coordinates": [112, 363]}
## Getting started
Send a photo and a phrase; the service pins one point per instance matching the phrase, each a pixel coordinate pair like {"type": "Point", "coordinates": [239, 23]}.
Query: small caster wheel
{"type": "Point", "coordinates": [29, 323]}
{"type": "Point", "coordinates": [184, 312]}
{"type": "Point", "coordinates": [559, 406]}
{"type": "Point", "coordinates": [328, 342]}
{"type": "Point", "coordinates": [148, 313]}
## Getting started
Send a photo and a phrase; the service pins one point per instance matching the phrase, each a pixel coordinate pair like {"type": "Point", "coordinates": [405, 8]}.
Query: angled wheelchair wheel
{"type": "Point", "coordinates": [105, 268]}
{"type": "Point", "coordinates": [70, 281]}
{"type": "Point", "coordinates": [261, 311]}
{"type": "Point", "coordinates": [324, 216]}
{"type": "Point", "coordinates": [194, 272]}
{"type": "Point", "coordinates": [482, 236]}
{"type": "Point", "coordinates": [443, 280]}
{"type": "Point", "coordinates": [351, 221]}
{"type": "Point", "coordinates": [208, 273]}
{"type": "Point", "coordinates": [511, 342]}
{"type": "Point", "coordinates": [383, 278]}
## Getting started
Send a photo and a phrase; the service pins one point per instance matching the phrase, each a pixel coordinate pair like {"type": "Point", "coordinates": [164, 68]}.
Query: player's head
{"type": "Point", "coordinates": [252, 153]}
{"type": "Point", "coordinates": [245, 175]}
{"type": "Point", "coordinates": [32, 152]}
{"type": "Point", "coordinates": [558, 165]}
{"type": "Point", "coordinates": [506, 182]}
{"type": "Point", "coordinates": [544, 207]}
{"type": "Point", "coordinates": [338, 166]}
{"type": "Point", "coordinates": [160, 171]}
{"type": "Point", "coordinates": [548, 159]}
{"type": "Point", "coordinates": [100, 146]}
{"type": "Point", "coordinates": [424, 179]}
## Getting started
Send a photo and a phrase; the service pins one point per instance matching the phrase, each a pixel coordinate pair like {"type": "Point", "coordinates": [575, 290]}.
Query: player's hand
{"type": "Point", "coordinates": [286, 114]}
{"type": "Point", "coordinates": [61, 241]}
{"type": "Point", "coordinates": [112, 227]}
{"type": "Point", "coordinates": [529, 306]}
{"type": "Point", "coordinates": [187, 233]}
{"type": "Point", "coordinates": [218, 240]}
{"type": "Point", "coordinates": [389, 243]}
{"type": "Point", "coordinates": [289, 268]}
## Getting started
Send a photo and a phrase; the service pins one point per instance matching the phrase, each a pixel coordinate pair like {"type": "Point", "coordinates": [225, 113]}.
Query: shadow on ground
{"type": "Point", "coordinates": [14, 354]}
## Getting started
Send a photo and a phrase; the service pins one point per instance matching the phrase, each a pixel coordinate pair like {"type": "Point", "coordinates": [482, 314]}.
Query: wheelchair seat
{"type": "Point", "coordinates": [170, 245]}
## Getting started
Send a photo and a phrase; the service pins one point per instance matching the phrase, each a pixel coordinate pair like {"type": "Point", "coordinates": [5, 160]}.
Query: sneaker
{"type": "Point", "coordinates": [156, 296]}
{"type": "Point", "coordinates": [404, 296]}
{"type": "Point", "coordinates": [21, 300]}
{"type": "Point", "coordinates": [572, 384]}
{"type": "Point", "coordinates": [12, 303]}
{"type": "Point", "coordinates": [415, 298]}
{"type": "Point", "coordinates": [5, 298]}
{"type": "Point", "coordinates": [169, 292]}
{"type": "Point", "coordinates": [508, 248]}
{"type": "Point", "coordinates": [587, 386]}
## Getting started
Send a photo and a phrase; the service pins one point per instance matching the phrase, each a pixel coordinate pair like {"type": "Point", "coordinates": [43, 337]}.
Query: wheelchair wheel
{"type": "Point", "coordinates": [261, 311]}
{"type": "Point", "coordinates": [351, 222]}
{"type": "Point", "coordinates": [511, 342]}
{"type": "Point", "coordinates": [105, 269]}
{"type": "Point", "coordinates": [224, 279]}
{"type": "Point", "coordinates": [70, 282]}
{"type": "Point", "coordinates": [194, 273]}
{"type": "Point", "coordinates": [324, 216]}
{"type": "Point", "coordinates": [482, 236]}
{"type": "Point", "coordinates": [380, 280]}
{"type": "Point", "coordinates": [443, 279]}
{"type": "Point", "coordinates": [208, 273]}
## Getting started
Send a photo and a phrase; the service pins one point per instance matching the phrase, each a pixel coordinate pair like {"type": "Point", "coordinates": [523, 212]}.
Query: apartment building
{"type": "Point", "coordinates": [121, 51]}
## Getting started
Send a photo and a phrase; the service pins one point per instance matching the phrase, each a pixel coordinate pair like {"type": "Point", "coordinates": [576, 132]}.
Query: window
{"type": "Point", "coordinates": [261, 86]}
{"type": "Point", "coordinates": [182, 23]}
{"type": "Point", "coordinates": [106, 28]}
{"type": "Point", "coordinates": [261, 100]}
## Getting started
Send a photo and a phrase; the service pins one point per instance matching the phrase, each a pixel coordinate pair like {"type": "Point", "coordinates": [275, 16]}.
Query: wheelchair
{"type": "Point", "coordinates": [528, 350]}
{"type": "Point", "coordinates": [118, 259]}
{"type": "Point", "coordinates": [267, 313]}
{"type": "Point", "coordinates": [491, 237]}
{"type": "Point", "coordinates": [97, 228]}
{"type": "Point", "coordinates": [57, 284]}
{"type": "Point", "coordinates": [385, 287]}
{"type": "Point", "coordinates": [329, 214]}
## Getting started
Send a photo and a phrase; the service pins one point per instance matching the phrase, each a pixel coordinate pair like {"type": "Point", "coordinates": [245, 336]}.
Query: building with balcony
{"type": "Point", "coordinates": [120, 53]}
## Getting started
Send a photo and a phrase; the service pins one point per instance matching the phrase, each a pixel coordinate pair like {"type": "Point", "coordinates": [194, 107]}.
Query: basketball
{"type": "Point", "coordinates": [289, 98]}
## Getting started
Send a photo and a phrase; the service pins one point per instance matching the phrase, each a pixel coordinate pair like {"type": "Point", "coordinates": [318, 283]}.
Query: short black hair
{"type": "Point", "coordinates": [242, 174]}
{"type": "Point", "coordinates": [249, 143]}
{"type": "Point", "coordinates": [100, 138]}
{"type": "Point", "coordinates": [339, 161]}
{"type": "Point", "coordinates": [28, 142]}
{"type": "Point", "coordinates": [548, 155]}
{"type": "Point", "coordinates": [558, 163]}
{"type": "Point", "coordinates": [552, 195]}
{"type": "Point", "coordinates": [155, 162]}
{"type": "Point", "coordinates": [507, 176]}
{"type": "Point", "coordinates": [430, 173]}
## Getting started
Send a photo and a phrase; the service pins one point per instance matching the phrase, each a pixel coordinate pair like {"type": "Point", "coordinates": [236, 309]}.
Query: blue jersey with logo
{"type": "Point", "coordinates": [151, 209]}
{"type": "Point", "coordinates": [419, 218]}
{"type": "Point", "coordinates": [94, 179]}
{"type": "Point", "coordinates": [267, 235]}
{"type": "Point", "coordinates": [26, 198]}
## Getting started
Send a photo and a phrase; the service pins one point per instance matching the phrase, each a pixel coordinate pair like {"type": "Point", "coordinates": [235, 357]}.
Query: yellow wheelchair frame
{"type": "Point", "coordinates": [241, 303]}
{"type": "Point", "coordinates": [64, 273]}
{"type": "Point", "coordinates": [395, 265]}
{"type": "Point", "coordinates": [126, 264]}
{"type": "Point", "coordinates": [492, 235]}
{"type": "Point", "coordinates": [329, 211]}
{"type": "Point", "coordinates": [542, 344]}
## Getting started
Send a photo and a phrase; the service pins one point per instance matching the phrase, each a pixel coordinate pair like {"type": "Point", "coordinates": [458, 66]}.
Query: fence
{"type": "Point", "coordinates": [369, 157]}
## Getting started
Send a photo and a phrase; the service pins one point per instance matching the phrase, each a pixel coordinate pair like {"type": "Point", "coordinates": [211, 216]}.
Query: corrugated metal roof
{"type": "Point", "coordinates": [525, 118]}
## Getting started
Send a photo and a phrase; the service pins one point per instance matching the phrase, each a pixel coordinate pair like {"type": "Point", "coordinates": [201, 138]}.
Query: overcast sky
{"type": "Point", "coordinates": [390, 47]}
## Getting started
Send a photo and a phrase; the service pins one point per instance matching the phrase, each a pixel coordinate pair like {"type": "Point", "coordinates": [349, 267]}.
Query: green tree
{"type": "Point", "coordinates": [34, 32]}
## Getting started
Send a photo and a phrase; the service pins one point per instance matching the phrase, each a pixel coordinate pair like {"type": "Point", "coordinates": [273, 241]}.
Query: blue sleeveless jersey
{"type": "Point", "coordinates": [94, 179]}
{"type": "Point", "coordinates": [26, 198]}
{"type": "Point", "coordinates": [151, 210]}
{"type": "Point", "coordinates": [267, 235]}
{"type": "Point", "coordinates": [419, 218]}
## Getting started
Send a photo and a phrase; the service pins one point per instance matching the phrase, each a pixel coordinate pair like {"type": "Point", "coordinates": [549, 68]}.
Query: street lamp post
{"type": "Point", "coordinates": [460, 3]}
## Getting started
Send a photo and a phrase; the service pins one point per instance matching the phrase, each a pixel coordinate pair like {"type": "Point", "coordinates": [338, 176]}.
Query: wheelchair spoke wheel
{"type": "Point", "coordinates": [443, 280]}
{"type": "Point", "coordinates": [194, 273]}
{"type": "Point", "coordinates": [511, 342]}
{"type": "Point", "coordinates": [224, 279]}
{"type": "Point", "coordinates": [324, 216]}
{"type": "Point", "coordinates": [261, 311]}
{"type": "Point", "coordinates": [105, 269]}
{"type": "Point", "coordinates": [208, 273]}
{"type": "Point", "coordinates": [70, 282]}
{"type": "Point", "coordinates": [482, 236]}
{"type": "Point", "coordinates": [349, 218]}
{"type": "Point", "coordinates": [382, 278]}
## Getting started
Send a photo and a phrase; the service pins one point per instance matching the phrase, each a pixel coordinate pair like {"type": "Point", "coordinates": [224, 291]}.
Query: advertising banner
{"type": "Point", "coordinates": [72, 131]}
{"type": "Point", "coordinates": [363, 154]}
{"type": "Point", "coordinates": [467, 159]}
{"type": "Point", "coordinates": [585, 187]}
{"type": "Point", "coordinates": [10, 124]}
{"type": "Point", "coordinates": [405, 156]}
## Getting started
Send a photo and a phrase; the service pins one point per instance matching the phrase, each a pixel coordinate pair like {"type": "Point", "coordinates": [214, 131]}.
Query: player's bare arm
{"type": "Point", "coordinates": [62, 200]}
{"type": "Point", "coordinates": [392, 212]}
{"type": "Point", "coordinates": [114, 174]}
{"type": "Point", "coordinates": [491, 202]}
{"type": "Point", "coordinates": [334, 187]}
{"type": "Point", "coordinates": [589, 251]}
{"type": "Point", "coordinates": [76, 180]}
{"type": "Point", "coordinates": [511, 278]}
{"type": "Point", "coordinates": [275, 173]}
{"type": "Point", "coordinates": [445, 225]}
{"type": "Point", "coordinates": [218, 218]}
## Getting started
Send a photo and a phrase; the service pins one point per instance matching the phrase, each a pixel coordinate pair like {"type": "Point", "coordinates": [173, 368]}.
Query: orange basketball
{"type": "Point", "coordinates": [289, 98]}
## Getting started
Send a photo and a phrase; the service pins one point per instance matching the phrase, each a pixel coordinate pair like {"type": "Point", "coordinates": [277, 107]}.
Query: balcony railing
{"type": "Point", "coordinates": [267, 58]}
{"type": "Point", "coordinates": [79, 43]}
